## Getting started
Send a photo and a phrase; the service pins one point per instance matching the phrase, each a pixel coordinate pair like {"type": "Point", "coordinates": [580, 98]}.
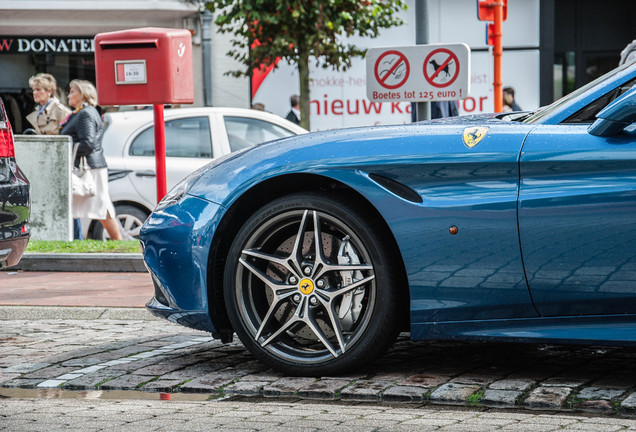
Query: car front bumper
{"type": "Point", "coordinates": [176, 243]}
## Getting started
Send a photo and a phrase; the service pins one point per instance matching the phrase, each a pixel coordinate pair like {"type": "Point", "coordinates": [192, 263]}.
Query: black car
{"type": "Point", "coordinates": [15, 201]}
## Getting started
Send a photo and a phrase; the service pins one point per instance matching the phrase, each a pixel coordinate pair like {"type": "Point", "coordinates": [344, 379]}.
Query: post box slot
{"type": "Point", "coordinates": [106, 45]}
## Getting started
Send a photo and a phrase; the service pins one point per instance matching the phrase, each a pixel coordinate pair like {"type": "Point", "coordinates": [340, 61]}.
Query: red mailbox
{"type": "Point", "coordinates": [144, 66]}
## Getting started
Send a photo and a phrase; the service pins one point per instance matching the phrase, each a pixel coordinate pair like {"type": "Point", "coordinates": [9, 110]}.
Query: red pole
{"type": "Point", "coordinates": [497, 53]}
{"type": "Point", "coordinates": [160, 151]}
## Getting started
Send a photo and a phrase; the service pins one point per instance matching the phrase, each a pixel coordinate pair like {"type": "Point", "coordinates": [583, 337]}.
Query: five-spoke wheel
{"type": "Point", "coordinates": [308, 286]}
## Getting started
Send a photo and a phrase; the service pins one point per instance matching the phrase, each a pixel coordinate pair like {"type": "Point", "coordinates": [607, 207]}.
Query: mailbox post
{"type": "Point", "coordinates": [146, 66]}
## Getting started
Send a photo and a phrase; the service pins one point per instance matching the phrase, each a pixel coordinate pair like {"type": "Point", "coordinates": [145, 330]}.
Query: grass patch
{"type": "Point", "coordinates": [83, 246]}
{"type": "Point", "coordinates": [475, 398]}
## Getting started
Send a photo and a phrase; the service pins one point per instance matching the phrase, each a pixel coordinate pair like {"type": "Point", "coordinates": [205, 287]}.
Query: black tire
{"type": "Point", "coordinates": [307, 315]}
{"type": "Point", "coordinates": [130, 218]}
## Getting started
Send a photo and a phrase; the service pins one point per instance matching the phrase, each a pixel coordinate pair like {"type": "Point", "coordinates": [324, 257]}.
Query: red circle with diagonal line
{"type": "Point", "coordinates": [446, 58]}
{"type": "Point", "coordinates": [391, 69]}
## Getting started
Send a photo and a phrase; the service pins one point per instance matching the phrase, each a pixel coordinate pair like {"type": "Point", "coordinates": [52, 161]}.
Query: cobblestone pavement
{"type": "Point", "coordinates": [53, 415]}
{"type": "Point", "coordinates": [151, 356]}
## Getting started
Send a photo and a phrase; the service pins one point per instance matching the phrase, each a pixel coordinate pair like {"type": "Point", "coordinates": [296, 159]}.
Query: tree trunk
{"type": "Point", "coordinates": [303, 72]}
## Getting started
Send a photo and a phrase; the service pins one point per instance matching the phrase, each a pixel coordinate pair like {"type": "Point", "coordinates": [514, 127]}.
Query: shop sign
{"type": "Point", "coordinates": [46, 45]}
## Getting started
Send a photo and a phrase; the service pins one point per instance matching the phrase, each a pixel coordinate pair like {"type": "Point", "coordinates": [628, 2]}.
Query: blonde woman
{"type": "Point", "coordinates": [49, 111]}
{"type": "Point", "coordinates": [84, 125]}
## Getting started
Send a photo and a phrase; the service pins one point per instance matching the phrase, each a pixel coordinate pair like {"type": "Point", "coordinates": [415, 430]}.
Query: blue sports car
{"type": "Point", "coordinates": [318, 250]}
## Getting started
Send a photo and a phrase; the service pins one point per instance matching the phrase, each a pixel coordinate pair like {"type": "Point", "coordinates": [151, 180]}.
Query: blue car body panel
{"type": "Point", "coordinates": [577, 204]}
{"type": "Point", "coordinates": [543, 212]}
{"type": "Point", "coordinates": [180, 261]}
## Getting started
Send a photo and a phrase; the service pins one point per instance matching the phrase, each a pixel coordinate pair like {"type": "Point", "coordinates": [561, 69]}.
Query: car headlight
{"type": "Point", "coordinates": [176, 193]}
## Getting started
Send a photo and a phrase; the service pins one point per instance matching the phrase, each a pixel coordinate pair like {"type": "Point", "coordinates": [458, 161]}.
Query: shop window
{"type": "Point", "coordinates": [564, 74]}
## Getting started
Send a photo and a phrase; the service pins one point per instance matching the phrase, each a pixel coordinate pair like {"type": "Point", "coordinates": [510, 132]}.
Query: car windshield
{"type": "Point", "coordinates": [549, 109]}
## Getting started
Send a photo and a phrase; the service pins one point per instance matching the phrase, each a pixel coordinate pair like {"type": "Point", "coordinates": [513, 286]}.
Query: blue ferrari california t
{"type": "Point", "coordinates": [318, 250]}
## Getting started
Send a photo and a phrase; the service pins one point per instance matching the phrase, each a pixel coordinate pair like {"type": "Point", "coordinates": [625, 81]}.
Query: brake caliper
{"type": "Point", "coordinates": [351, 304]}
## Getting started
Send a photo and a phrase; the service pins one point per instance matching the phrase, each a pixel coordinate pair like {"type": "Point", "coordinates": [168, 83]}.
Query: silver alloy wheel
{"type": "Point", "coordinates": [305, 301]}
{"type": "Point", "coordinates": [130, 220]}
{"type": "Point", "coordinates": [130, 226]}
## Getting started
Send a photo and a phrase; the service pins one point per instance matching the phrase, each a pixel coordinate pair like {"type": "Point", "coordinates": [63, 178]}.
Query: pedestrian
{"type": "Point", "coordinates": [49, 111]}
{"type": "Point", "coordinates": [294, 113]}
{"type": "Point", "coordinates": [509, 103]}
{"type": "Point", "coordinates": [439, 109]}
{"type": "Point", "coordinates": [442, 109]}
{"type": "Point", "coordinates": [84, 125]}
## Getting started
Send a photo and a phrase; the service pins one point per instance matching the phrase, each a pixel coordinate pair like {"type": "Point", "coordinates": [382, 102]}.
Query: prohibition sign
{"type": "Point", "coordinates": [391, 69]}
{"type": "Point", "coordinates": [442, 67]}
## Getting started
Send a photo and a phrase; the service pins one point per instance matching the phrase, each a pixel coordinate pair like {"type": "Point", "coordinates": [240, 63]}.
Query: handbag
{"type": "Point", "coordinates": [82, 181]}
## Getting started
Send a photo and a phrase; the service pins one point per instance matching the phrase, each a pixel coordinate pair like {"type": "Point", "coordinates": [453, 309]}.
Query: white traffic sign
{"type": "Point", "coordinates": [418, 73]}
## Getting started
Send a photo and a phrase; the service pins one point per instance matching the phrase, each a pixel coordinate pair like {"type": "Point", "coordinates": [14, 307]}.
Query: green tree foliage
{"type": "Point", "coordinates": [297, 30]}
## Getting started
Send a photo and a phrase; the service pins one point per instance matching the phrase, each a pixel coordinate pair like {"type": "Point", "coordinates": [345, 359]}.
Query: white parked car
{"type": "Point", "coordinates": [194, 136]}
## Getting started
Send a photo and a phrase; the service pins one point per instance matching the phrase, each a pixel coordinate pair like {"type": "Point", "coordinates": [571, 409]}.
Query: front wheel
{"type": "Point", "coordinates": [309, 286]}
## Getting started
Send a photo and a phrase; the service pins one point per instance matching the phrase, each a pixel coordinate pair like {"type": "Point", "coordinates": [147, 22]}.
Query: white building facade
{"type": "Point", "coordinates": [551, 47]}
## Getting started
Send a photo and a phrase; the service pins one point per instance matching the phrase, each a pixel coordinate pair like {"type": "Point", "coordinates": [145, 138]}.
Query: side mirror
{"type": "Point", "coordinates": [616, 116]}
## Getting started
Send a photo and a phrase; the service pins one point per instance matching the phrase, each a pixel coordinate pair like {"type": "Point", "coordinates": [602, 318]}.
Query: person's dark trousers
{"type": "Point", "coordinates": [77, 229]}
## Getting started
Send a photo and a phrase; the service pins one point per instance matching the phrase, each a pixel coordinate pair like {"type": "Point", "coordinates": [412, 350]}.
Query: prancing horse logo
{"type": "Point", "coordinates": [306, 286]}
{"type": "Point", "coordinates": [473, 135]}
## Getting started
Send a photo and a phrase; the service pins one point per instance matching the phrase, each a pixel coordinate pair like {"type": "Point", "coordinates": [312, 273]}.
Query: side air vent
{"type": "Point", "coordinates": [397, 188]}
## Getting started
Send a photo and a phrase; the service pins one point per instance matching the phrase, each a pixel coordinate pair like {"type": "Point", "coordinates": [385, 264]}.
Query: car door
{"type": "Point", "coordinates": [577, 219]}
{"type": "Point", "coordinates": [188, 147]}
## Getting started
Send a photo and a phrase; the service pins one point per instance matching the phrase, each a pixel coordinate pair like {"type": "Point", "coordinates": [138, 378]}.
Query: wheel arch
{"type": "Point", "coordinates": [135, 204]}
{"type": "Point", "coordinates": [272, 189]}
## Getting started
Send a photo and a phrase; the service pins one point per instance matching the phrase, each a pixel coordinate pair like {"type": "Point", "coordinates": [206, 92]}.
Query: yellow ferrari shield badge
{"type": "Point", "coordinates": [473, 135]}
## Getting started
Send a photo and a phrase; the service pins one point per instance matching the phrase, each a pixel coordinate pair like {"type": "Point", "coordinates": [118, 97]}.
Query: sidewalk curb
{"type": "Point", "coordinates": [82, 262]}
{"type": "Point", "coordinates": [31, 313]}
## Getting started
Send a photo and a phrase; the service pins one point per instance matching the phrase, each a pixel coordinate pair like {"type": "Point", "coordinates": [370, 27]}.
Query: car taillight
{"type": "Point", "coordinates": [6, 140]}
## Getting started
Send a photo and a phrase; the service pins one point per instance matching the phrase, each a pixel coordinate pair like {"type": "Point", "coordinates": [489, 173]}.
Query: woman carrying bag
{"type": "Point", "coordinates": [84, 125]}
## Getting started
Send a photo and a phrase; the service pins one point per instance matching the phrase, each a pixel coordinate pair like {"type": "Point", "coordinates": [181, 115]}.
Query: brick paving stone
{"type": "Point", "coordinates": [4, 376]}
{"type": "Point", "coordinates": [246, 387]}
{"type": "Point", "coordinates": [424, 380]}
{"type": "Point", "coordinates": [268, 375]}
{"type": "Point", "coordinates": [600, 393]}
{"type": "Point", "coordinates": [286, 386]}
{"type": "Point", "coordinates": [475, 379]}
{"type": "Point", "coordinates": [594, 405]}
{"type": "Point", "coordinates": [89, 360]}
{"type": "Point", "coordinates": [126, 382]}
{"type": "Point", "coordinates": [159, 369]}
{"type": "Point", "coordinates": [400, 393]}
{"type": "Point", "coordinates": [365, 390]}
{"type": "Point", "coordinates": [209, 383]}
{"type": "Point", "coordinates": [323, 389]}
{"type": "Point", "coordinates": [49, 372]}
{"type": "Point", "coordinates": [629, 404]}
{"type": "Point", "coordinates": [453, 392]}
{"type": "Point", "coordinates": [512, 384]}
{"type": "Point", "coordinates": [500, 397]}
{"type": "Point", "coordinates": [563, 382]}
{"type": "Point", "coordinates": [389, 376]}
{"type": "Point", "coordinates": [90, 381]}
{"type": "Point", "coordinates": [24, 367]}
{"type": "Point", "coordinates": [547, 397]}
{"type": "Point", "coordinates": [22, 383]}
{"type": "Point", "coordinates": [161, 385]}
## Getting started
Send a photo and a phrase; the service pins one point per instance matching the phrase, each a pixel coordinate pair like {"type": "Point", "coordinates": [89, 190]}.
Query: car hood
{"type": "Point", "coordinates": [380, 149]}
